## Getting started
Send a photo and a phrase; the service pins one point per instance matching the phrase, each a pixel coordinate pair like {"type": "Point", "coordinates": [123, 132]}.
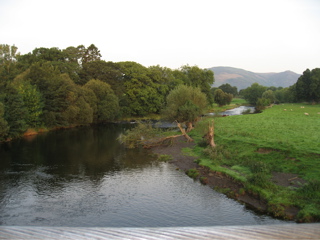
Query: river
{"type": "Point", "coordinates": [82, 177]}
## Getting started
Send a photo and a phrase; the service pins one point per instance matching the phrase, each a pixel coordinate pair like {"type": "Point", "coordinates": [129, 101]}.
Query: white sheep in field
{"type": "Point", "coordinates": [302, 107]}
{"type": "Point", "coordinates": [284, 109]}
{"type": "Point", "coordinates": [307, 114]}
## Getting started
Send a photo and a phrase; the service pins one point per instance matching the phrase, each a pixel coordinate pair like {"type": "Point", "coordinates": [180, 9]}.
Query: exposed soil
{"type": "Point", "coordinates": [287, 179]}
{"type": "Point", "coordinates": [222, 182]}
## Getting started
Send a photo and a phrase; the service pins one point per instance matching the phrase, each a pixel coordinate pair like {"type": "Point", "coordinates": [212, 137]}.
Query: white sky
{"type": "Point", "coordinates": [256, 35]}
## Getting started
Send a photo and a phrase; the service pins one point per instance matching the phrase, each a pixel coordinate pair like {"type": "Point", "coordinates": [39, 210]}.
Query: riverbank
{"type": "Point", "coordinates": [216, 180]}
{"type": "Point", "coordinates": [269, 161]}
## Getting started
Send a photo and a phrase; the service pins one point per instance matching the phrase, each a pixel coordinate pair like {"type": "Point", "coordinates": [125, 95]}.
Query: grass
{"type": "Point", "coordinates": [164, 158]}
{"type": "Point", "coordinates": [280, 139]}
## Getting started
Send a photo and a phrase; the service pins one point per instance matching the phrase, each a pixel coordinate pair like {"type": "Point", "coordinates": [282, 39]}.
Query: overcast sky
{"type": "Point", "coordinates": [255, 35]}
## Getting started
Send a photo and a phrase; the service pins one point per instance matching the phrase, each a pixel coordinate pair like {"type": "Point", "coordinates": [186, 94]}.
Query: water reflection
{"type": "Point", "coordinates": [84, 177]}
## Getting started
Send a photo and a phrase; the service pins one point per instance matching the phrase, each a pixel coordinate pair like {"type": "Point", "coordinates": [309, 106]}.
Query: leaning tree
{"type": "Point", "coordinates": [184, 106]}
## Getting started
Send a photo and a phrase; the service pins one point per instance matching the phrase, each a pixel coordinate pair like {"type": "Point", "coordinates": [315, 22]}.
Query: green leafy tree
{"type": "Point", "coordinates": [222, 98]}
{"type": "Point", "coordinates": [32, 100]}
{"type": "Point", "coordinates": [107, 72]}
{"type": "Point", "coordinates": [164, 79]}
{"type": "Point", "coordinates": [184, 105]}
{"type": "Point", "coordinates": [56, 90]}
{"type": "Point", "coordinates": [66, 61]}
{"type": "Point", "coordinates": [92, 53]}
{"type": "Point", "coordinates": [227, 88]}
{"type": "Point", "coordinates": [4, 128]}
{"type": "Point", "coordinates": [272, 88]}
{"type": "Point", "coordinates": [253, 93]}
{"type": "Point", "coordinates": [106, 103]}
{"type": "Point", "coordinates": [78, 111]}
{"type": "Point", "coordinates": [308, 86]}
{"type": "Point", "coordinates": [8, 64]}
{"type": "Point", "coordinates": [269, 94]}
{"type": "Point", "coordinates": [141, 92]}
{"type": "Point", "coordinates": [73, 54]}
{"type": "Point", "coordinates": [196, 77]}
{"type": "Point", "coordinates": [15, 112]}
{"type": "Point", "coordinates": [261, 104]}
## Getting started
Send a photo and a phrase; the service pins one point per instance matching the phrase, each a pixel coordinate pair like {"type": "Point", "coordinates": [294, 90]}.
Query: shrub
{"type": "Point", "coordinates": [141, 133]}
{"type": "Point", "coordinates": [165, 158]}
{"type": "Point", "coordinates": [261, 104]}
{"type": "Point", "coordinates": [193, 173]}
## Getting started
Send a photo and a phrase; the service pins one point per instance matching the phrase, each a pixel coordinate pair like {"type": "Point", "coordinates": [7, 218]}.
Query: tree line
{"type": "Point", "coordinates": [53, 88]}
{"type": "Point", "coordinates": [306, 89]}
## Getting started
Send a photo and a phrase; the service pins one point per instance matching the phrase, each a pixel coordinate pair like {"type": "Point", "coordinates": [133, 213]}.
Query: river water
{"type": "Point", "coordinates": [83, 177]}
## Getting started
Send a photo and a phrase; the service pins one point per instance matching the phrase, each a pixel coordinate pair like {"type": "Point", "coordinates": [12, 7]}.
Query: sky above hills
{"type": "Point", "coordinates": [256, 35]}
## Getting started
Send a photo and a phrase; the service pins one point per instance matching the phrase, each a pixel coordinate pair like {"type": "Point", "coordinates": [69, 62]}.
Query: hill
{"type": "Point", "coordinates": [243, 79]}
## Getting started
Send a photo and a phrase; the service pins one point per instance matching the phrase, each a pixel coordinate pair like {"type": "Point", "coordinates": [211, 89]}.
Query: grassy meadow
{"type": "Point", "coordinates": [252, 148]}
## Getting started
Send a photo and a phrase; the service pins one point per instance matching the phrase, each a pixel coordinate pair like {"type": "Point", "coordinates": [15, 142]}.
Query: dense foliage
{"type": "Point", "coordinates": [227, 88]}
{"type": "Point", "coordinates": [308, 86]}
{"type": "Point", "coordinates": [53, 88]}
{"type": "Point", "coordinates": [222, 98]}
{"type": "Point", "coordinates": [185, 104]}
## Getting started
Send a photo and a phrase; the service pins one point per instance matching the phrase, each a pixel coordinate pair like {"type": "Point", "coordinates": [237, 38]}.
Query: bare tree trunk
{"type": "Point", "coordinates": [184, 133]}
{"type": "Point", "coordinates": [189, 126]}
{"type": "Point", "coordinates": [210, 135]}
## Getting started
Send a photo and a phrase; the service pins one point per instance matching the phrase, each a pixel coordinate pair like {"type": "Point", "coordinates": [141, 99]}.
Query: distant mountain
{"type": "Point", "coordinates": [243, 79]}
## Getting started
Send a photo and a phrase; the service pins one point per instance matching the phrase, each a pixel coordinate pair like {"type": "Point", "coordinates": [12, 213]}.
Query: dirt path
{"type": "Point", "coordinates": [215, 180]}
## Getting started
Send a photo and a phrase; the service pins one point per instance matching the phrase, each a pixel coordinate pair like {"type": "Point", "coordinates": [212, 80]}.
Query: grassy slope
{"type": "Point", "coordinates": [294, 139]}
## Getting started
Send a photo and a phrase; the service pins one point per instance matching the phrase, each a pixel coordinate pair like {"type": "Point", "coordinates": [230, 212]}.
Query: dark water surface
{"type": "Point", "coordinates": [83, 177]}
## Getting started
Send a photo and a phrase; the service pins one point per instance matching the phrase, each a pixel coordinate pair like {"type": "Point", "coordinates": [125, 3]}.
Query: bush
{"type": "Point", "coordinates": [164, 158]}
{"type": "Point", "coordinates": [141, 133]}
{"type": "Point", "coordinates": [261, 104]}
{"type": "Point", "coordinates": [193, 173]}
{"type": "Point", "coordinates": [222, 98]}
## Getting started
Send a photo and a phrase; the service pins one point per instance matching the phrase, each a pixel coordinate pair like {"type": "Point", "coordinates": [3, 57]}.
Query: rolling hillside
{"type": "Point", "coordinates": [243, 79]}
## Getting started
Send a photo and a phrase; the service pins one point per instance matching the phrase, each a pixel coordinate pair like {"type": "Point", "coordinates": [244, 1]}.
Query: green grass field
{"type": "Point", "coordinates": [252, 147]}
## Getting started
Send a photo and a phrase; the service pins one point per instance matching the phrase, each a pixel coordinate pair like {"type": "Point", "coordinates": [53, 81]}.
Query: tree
{"type": "Point", "coordinates": [106, 103]}
{"type": "Point", "coordinates": [92, 53]}
{"type": "Point", "coordinates": [184, 105]}
{"type": "Point", "coordinates": [15, 112]}
{"type": "Point", "coordinates": [73, 54]}
{"type": "Point", "coordinates": [32, 100]}
{"type": "Point", "coordinates": [261, 104]}
{"type": "Point", "coordinates": [308, 86]}
{"type": "Point", "coordinates": [8, 62]}
{"type": "Point", "coordinates": [227, 88]}
{"type": "Point", "coordinates": [4, 128]}
{"type": "Point", "coordinates": [253, 93]}
{"type": "Point", "coordinates": [196, 77]}
{"type": "Point", "coordinates": [57, 92]}
{"type": "Point", "coordinates": [269, 94]}
{"type": "Point", "coordinates": [8, 55]}
{"type": "Point", "coordinates": [141, 94]}
{"type": "Point", "coordinates": [222, 98]}
{"type": "Point", "coordinates": [107, 72]}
